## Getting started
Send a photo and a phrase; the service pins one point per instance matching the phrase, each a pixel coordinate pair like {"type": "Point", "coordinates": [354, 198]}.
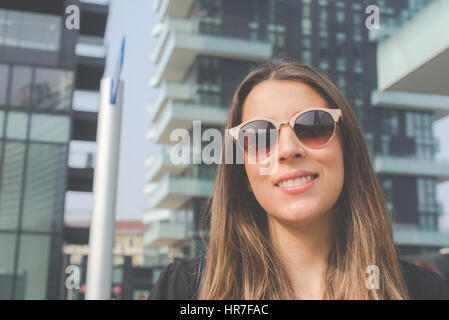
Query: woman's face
{"type": "Point", "coordinates": [293, 205]}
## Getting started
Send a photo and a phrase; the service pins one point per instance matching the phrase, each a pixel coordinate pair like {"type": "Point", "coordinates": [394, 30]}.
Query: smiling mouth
{"type": "Point", "coordinates": [296, 182]}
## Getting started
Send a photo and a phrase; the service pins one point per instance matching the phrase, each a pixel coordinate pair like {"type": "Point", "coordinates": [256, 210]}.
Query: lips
{"type": "Point", "coordinates": [298, 174]}
{"type": "Point", "coordinates": [296, 182]}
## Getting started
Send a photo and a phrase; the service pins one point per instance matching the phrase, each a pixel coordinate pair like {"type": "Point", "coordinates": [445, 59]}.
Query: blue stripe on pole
{"type": "Point", "coordinates": [118, 70]}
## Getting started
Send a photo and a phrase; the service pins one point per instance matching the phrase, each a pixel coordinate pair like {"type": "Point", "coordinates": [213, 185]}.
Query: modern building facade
{"type": "Point", "coordinates": [49, 82]}
{"type": "Point", "coordinates": [204, 48]}
{"type": "Point", "coordinates": [411, 94]}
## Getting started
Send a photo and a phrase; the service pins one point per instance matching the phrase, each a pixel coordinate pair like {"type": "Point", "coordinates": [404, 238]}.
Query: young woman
{"type": "Point", "coordinates": [314, 227]}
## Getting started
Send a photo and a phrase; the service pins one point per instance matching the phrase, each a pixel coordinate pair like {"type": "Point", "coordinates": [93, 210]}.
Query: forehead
{"type": "Point", "coordinates": [280, 99]}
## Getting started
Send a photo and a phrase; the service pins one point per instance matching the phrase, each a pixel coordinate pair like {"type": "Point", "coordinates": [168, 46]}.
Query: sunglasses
{"type": "Point", "coordinates": [314, 127]}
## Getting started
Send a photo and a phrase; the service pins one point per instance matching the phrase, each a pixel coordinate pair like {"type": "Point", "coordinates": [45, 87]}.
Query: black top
{"type": "Point", "coordinates": [178, 280]}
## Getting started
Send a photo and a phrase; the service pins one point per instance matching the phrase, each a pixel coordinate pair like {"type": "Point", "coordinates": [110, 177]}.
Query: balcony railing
{"type": "Point", "coordinates": [163, 233]}
{"type": "Point", "coordinates": [86, 100]}
{"type": "Point", "coordinates": [82, 159]}
{"type": "Point", "coordinates": [90, 46]}
{"type": "Point", "coordinates": [181, 40]}
{"type": "Point", "coordinates": [159, 163]}
{"type": "Point", "coordinates": [173, 192]}
{"type": "Point", "coordinates": [411, 167]}
{"type": "Point", "coordinates": [179, 115]}
{"type": "Point", "coordinates": [439, 104]}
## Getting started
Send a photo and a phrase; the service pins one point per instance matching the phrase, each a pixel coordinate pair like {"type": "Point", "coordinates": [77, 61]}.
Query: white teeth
{"type": "Point", "coordinates": [295, 182]}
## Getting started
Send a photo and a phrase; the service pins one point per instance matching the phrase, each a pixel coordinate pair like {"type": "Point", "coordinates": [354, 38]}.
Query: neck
{"type": "Point", "coordinates": [303, 251]}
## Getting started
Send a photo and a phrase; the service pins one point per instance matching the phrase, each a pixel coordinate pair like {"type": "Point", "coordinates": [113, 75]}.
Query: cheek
{"type": "Point", "coordinates": [260, 184]}
{"type": "Point", "coordinates": [334, 171]}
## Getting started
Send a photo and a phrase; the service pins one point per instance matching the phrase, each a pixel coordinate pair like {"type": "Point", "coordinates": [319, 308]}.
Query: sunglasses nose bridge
{"type": "Point", "coordinates": [286, 123]}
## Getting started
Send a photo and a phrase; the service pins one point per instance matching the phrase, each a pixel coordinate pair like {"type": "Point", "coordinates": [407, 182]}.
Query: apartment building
{"type": "Point", "coordinates": [204, 48]}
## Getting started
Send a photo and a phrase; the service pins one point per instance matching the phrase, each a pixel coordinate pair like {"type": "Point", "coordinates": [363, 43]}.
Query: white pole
{"type": "Point", "coordinates": [101, 238]}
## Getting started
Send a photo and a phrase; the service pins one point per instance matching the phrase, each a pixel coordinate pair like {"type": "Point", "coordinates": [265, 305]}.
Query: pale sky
{"type": "Point", "coordinates": [134, 19]}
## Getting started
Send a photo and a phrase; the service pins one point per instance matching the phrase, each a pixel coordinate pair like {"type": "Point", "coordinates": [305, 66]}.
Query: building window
{"type": "Point", "coordinates": [11, 184]}
{"type": "Point", "coordinates": [34, 259]}
{"type": "Point", "coordinates": [276, 36]}
{"type": "Point", "coordinates": [385, 145]}
{"type": "Point", "coordinates": [210, 25]}
{"type": "Point", "coordinates": [208, 70]}
{"type": "Point", "coordinates": [20, 86]}
{"type": "Point", "coordinates": [50, 128]}
{"type": "Point", "coordinates": [390, 122]}
{"type": "Point", "coordinates": [30, 30]}
{"type": "Point", "coordinates": [4, 74]}
{"type": "Point", "coordinates": [52, 89]}
{"type": "Point", "coordinates": [208, 95]}
{"type": "Point", "coordinates": [418, 125]}
{"type": "Point", "coordinates": [387, 187]}
{"type": "Point", "coordinates": [253, 30]}
{"type": "Point", "coordinates": [306, 21]}
{"type": "Point", "coordinates": [324, 54]}
{"type": "Point", "coordinates": [340, 52]}
{"type": "Point", "coordinates": [322, 21]}
{"type": "Point", "coordinates": [427, 204]}
{"type": "Point", "coordinates": [2, 121]}
{"type": "Point", "coordinates": [211, 8]}
{"type": "Point", "coordinates": [341, 83]}
{"type": "Point", "coordinates": [17, 125]}
{"type": "Point", "coordinates": [8, 249]}
{"type": "Point", "coordinates": [307, 57]}
{"type": "Point", "coordinates": [358, 24]}
{"type": "Point", "coordinates": [340, 21]}
{"type": "Point", "coordinates": [370, 143]}
{"type": "Point", "coordinates": [359, 86]}
{"type": "Point", "coordinates": [45, 187]}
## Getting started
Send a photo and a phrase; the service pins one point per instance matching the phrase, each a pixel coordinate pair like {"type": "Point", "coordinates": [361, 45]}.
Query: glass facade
{"type": "Point", "coordinates": [38, 63]}
{"type": "Point", "coordinates": [30, 30]}
{"type": "Point", "coordinates": [52, 89]}
{"type": "Point", "coordinates": [33, 168]}
{"type": "Point", "coordinates": [33, 162]}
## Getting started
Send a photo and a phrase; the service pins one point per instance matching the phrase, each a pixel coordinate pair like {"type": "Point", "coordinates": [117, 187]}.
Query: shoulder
{"type": "Point", "coordinates": [177, 280]}
{"type": "Point", "coordinates": [423, 284]}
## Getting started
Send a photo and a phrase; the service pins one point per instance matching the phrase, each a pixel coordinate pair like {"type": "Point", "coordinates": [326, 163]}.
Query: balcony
{"type": "Point", "coordinates": [86, 100]}
{"type": "Point", "coordinates": [82, 154]}
{"type": "Point", "coordinates": [418, 237]}
{"type": "Point", "coordinates": [174, 8]}
{"type": "Point", "coordinates": [414, 55]}
{"type": "Point", "coordinates": [154, 215]}
{"type": "Point", "coordinates": [177, 115]}
{"type": "Point", "coordinates": [438, 104]}
{"type": "Point", "coordinates": [169, 90]}
{"type": "Point", "coordinates": [411, 167]}
{"type": "Point", "coordinates": [180, 42]}
{"type": "Point", "coordinates": [163, 233]}
{"type": "Point", "coordinates": [159, 163]}
{"type": "Point", "coordinates": [173, 192]}
{"type": "Point", "coordinates": [90, 46]}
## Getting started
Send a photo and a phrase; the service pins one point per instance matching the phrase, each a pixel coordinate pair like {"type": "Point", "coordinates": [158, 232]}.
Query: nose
{"type": "Point", "coordinates": [289, 146]}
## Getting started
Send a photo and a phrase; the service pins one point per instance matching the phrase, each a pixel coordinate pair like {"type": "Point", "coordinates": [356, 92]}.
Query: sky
{"type": "Point", "coordinates": [134, 19]}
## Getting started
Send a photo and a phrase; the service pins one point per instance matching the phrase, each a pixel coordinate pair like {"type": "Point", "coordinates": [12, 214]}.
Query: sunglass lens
{"type": "Point", "coordinates": [259, 138]}
{"type": "Point", "coordinates": [314, 128]}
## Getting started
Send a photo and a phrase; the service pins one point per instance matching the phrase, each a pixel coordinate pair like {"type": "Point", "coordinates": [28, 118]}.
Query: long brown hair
{"type": "Point", "coordinates": [241, 261]}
